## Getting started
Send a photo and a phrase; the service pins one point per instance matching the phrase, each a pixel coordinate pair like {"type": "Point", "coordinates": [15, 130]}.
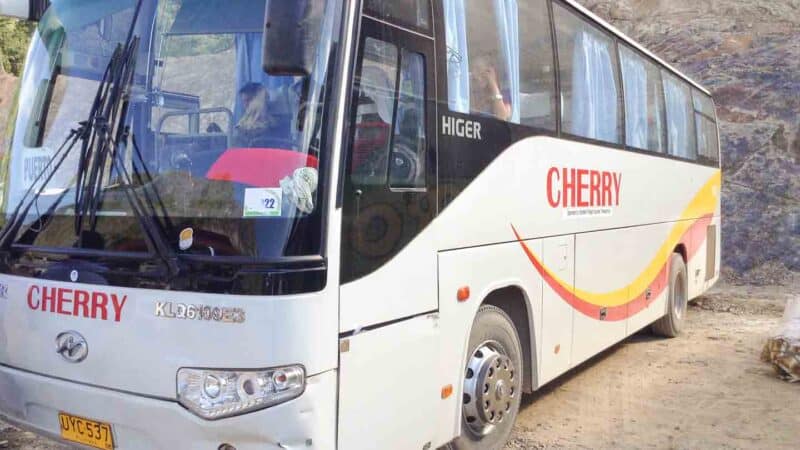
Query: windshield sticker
{"type": "Point", "coordinates": [186, 239]}
{"type": "Point", "coordinates": [35, 160]}
{"type": "Point", "coordinates": [300, 187]}
{"type": "Point", "coordinates": [262, 202]}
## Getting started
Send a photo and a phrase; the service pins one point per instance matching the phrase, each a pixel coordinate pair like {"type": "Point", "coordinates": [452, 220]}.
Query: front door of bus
{"type": "Point", "coordinates": [388, 294]}
{"type": "Point", "coordinates": [388, 256]}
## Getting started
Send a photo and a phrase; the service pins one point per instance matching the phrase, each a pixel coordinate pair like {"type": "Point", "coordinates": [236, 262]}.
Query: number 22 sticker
{"type": "Point", "coordinates": [262, 202]}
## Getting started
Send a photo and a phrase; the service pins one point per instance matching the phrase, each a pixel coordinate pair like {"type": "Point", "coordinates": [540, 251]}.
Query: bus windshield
{"type": "Point", "coordinates": [226, 159]}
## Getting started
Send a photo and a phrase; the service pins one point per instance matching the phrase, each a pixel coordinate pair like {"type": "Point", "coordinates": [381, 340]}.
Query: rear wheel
{"type": "Point", "coordinates": [492, 382]}
{"type": "Point", "coordinates": [671, 325]}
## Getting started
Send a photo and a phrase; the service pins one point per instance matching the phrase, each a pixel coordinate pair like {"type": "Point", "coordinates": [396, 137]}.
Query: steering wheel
{"type": "Point", "coordinates": [405, 164]}
{"type": "Point", "coordinates": [181, 161]}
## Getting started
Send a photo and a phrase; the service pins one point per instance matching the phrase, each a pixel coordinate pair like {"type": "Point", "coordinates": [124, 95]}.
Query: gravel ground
{"type": "Point", "coordinates": [706, 389]}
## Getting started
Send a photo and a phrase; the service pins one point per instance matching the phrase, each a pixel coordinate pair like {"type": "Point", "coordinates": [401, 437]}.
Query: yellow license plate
{"type": "Point", "coordinates": [86, 431]}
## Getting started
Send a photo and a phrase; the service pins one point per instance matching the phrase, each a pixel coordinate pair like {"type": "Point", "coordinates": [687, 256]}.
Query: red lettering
{"type": "Point", "coordinates": [69, 302]}
{"type": "Point", "coordinates": [99, 303]}
{"type": "Point", "coordinates": [617, 186]}
{"type": "Point", "coordinates": [594, 189]}
{"type": "Point", "coordinates": [118, 305]}
{"type": "Point", "coordinates": [49, 295]}
{"type": "Point", "coordinates": [33, 303]}
{"type": "Point", "coordinates": [582, 173]}
{"type": "Point", "coordinates": [64, 299]}
{"type": "Point", "coordinates": [569, 187]}
{"type": "Point", "coordinates": [553, 195]}
{"type": "Point", "coordinates": [82, 303]}
{"type": "Point", "coordinates": [606, 189]}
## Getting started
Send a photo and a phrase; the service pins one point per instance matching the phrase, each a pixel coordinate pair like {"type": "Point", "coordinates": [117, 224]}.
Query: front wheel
{"type": "Point", "coordinates": [492, 382]}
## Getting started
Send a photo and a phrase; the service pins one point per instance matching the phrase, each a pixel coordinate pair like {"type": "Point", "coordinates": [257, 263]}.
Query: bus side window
{"type": "Point", "coordinates": [680, 118]}
{"type": "Point", "coordinates": [644, 102]}
{"type": "Point", "coordinates": [589, 79]}
{"type": "Point", "coordinates": [537, 74]}
{"type": "Point", "coordinates": [483, 64]}
{"type": "Point", "coordinates": [706, 125]}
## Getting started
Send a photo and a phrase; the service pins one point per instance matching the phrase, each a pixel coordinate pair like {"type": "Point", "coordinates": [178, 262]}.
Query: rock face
{"type": "Point", "coordinates": [747, 53]}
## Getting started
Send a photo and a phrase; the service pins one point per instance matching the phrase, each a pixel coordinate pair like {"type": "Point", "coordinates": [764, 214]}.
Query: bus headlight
{"type": "Point", "coordinates": [214, 394]}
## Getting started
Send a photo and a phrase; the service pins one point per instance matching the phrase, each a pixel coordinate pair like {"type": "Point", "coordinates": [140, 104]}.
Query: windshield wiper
{"type": "Point", "coordinates": [107, 116]}
{"type": "Point", "coordinates": [32, 194]}
{"type": "Point", "coordinates": [101, 148]}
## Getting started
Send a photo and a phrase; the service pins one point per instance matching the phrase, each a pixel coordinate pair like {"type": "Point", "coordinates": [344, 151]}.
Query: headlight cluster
{"type": "Point", "coordinates": [214, 394]}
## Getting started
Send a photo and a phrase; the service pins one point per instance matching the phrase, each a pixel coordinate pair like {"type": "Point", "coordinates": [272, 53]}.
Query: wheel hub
{"type": "Point", "coordinates": [489, 388]}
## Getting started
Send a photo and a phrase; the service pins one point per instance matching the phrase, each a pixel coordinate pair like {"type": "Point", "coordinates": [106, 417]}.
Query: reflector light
{"type": "Point", "coordinates": [463, 294]}
{"type": "Point", "coordinates": [447, 391]}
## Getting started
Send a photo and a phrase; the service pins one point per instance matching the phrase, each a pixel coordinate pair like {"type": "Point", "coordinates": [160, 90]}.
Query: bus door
{"type": "Point", "coordinates": [388, 294]}
{"type": "Point", "coordinates": [389, 191]}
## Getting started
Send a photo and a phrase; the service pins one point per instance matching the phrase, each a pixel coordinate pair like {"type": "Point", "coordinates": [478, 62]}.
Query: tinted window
{"type": "Point", "coordinates": [706, 126]}
{"type": "Point", "coordinates": [707, 139]}
{"type": "Point", "coordinates": [377, 84]}
{"type": "Point", "coordinates": [390, 115]}
{"type": "Point", "coordinates": [589, 84]}
{"type": "Point", "coordinates": [483, 58]}
{"type": "Point", "coordinates": [703, 104]}
{"type": "Point", "coordinates": [407, 164]}
{"type": "Point", "coordinates": [411, 13]}
{"type": "Point", "coordinates": [644, 102]}
{"type": "Point", "coordinates": [680, 117]}
{"type": "Point", "coordinates": [537, 76]}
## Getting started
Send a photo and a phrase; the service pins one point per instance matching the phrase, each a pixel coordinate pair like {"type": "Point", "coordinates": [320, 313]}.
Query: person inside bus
{"type": "Point", "coordinates": [252, 130]}
{"type": "Point", "coordinates": [486, 95]}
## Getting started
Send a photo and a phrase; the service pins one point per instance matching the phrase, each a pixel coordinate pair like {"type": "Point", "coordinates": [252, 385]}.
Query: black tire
{"type": "Point", "coordinates": [671, 325]}
{"type": "Point", "coordinates": [494, 331]}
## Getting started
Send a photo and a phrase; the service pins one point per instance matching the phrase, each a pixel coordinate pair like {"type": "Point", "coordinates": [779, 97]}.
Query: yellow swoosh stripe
{"type": "Point", "coordinates": [704, 203]}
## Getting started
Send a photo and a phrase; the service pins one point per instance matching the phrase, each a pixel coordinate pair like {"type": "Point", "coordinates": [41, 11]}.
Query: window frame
{"type": "Point", "coordinates": [556, 130]}
{"type": "Point", "coordinates": [620, 145]}
{"type": "Point", "coordinates": [662, 95]}
{"type": "Point", "coordinates": [714, 121]}
{"type": "Point", "coordinates": [692, 122]}
{"type": "Point", "coordinates": [366, 11]}
{"type": "Point", "coordinates": [413, 42]}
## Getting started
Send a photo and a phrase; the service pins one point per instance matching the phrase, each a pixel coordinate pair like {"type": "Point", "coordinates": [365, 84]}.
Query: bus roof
{"type": "Point", "coordinates": [630, 41]}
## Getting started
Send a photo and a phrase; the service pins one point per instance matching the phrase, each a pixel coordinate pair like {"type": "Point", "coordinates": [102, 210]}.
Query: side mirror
{"type": "Point", "coordinates": [24, 9]}
{"type": "Point", "coordinates": [291, 34]}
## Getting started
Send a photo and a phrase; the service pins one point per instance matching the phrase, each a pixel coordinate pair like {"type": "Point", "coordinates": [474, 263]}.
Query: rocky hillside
{"type": "Point", "coordinates": [747, 53]}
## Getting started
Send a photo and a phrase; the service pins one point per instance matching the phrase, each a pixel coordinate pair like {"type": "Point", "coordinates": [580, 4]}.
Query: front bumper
{"type": "Point", "coordinates": [33, 402]}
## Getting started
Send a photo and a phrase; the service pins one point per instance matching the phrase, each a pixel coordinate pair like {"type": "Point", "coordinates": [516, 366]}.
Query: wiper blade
{"type": "Point", "coordinates": [101, 148]}
{"type": "Point", "coordinates": [31, 196]}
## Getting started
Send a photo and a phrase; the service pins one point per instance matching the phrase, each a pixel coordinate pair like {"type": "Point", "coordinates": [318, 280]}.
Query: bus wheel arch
{"type": "Point", "coordinates": [681, 250]}
{"type": "Point", "coordinates": [516, 304]}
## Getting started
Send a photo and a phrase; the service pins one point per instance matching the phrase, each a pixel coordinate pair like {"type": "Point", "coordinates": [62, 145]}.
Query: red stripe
{"type": "Point", "coordinates": [693, 239]}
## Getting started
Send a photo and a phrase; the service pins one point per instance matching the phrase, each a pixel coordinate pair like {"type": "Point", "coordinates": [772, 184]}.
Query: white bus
{"type": "Point", "coordinates": [241, 224]}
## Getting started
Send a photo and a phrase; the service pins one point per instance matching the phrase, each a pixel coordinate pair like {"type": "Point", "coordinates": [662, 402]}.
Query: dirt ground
{"type": "Point", "coordinates": [706, 389]}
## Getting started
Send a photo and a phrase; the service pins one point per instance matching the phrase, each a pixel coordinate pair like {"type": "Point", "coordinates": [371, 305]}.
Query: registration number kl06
{"type": "Point", "coordinates": [86, 431]}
